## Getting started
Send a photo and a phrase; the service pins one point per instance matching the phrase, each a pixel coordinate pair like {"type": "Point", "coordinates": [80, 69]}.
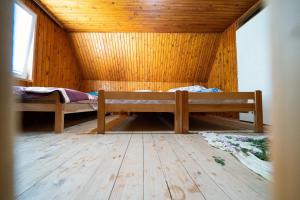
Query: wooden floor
{"type": "Point", "coordinates": [144, 165]}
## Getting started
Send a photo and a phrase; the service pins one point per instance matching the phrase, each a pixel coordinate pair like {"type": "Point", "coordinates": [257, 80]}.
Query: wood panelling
{"type": "Point", "coordinates": [223, 73]}
{"type": "Point", "coordinates": [94, 85]}
{"type": "Point", "coordinates": [146, 57]}
{"type": "Point", "coordinates": [148, 15]}
{"type": "Point", "coordinates": [55, 63]}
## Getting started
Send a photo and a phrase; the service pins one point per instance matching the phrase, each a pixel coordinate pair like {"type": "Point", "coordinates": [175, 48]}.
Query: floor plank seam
{"type": "Point", "coordinates": [191, 139]}
{"type": "Point", "coordinates": [162, 169]}
{"type": "Point", "coordinates": [119, 168]}
{"type": "Point", "coordinates": [52, 171]}
{"type": "Point", "coordinates": [98, 167]}
{"type": "Point", "coordinates": [202, 169]}
{"type": "Point", "coordinates": [186, 169]}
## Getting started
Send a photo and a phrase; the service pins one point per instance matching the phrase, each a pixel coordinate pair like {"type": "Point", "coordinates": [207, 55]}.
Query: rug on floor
{"type": "Point", "coordinates": [252, 151]}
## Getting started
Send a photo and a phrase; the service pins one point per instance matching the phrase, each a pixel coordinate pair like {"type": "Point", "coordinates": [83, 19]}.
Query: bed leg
{"type": "Point", "coordinates": [177, 113]}
{"type": "Point", "coordinates": [59, 118]}
{"type": "Point", "coordinates": [185, 111]}
{"type": "Point", "coordinates": [258, 113]}
{"type": "Point", "coordinates": [101, 113]}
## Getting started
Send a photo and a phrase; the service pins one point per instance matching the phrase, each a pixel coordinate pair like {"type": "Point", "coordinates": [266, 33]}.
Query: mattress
{"type": "Point", "coordinates": [218, 101]}
{"type": "Point", "coordinates": [200, 101]}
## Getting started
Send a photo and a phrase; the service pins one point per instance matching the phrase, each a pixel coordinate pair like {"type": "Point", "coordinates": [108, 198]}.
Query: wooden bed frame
{"type": "Point", "coordinates": [174, 107]}
{"type": "Point", "coordinates": [51, 103]}
{"type": "Point", "coordinates": [181, 107]}
{"type": "Point", "coordinates": [254, 105]}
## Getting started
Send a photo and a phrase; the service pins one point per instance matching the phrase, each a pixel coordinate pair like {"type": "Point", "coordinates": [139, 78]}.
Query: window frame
{"type": "Point", "coordinates": [28, 74]}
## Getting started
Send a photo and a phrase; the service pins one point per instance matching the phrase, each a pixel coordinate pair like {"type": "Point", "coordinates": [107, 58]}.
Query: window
{"type": "Point", "coordinates": [23, 41]}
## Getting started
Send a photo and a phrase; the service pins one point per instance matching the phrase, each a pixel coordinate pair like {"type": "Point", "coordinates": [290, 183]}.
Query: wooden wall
{"type": "Point", "coordinates": [223, 73]}
{"type": "Point", "coordinates": [156, 61]}
{"type": "Point", "coordinates": [224, 68]}
{"type": "Point", "coordinates": [55, 63]}
{"type": "Point", "coordinates": [94, 85]}
{"type": "Point", "coordinates": [146, 57]}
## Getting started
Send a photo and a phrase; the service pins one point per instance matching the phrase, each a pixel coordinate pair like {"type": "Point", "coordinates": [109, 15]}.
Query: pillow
{"type": "Point", "coordinates": [194, 88]}
{"type": "Point", "coordinates": [210, 90]}
{"type": "Point", "coordinates": [93, 93]}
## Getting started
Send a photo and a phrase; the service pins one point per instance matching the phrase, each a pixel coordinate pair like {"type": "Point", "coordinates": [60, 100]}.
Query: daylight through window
{"type": "Point", "coordinates": [23, 41]}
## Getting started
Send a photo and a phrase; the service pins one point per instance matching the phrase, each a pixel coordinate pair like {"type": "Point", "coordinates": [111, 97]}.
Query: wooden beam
{"type": "Point", "coordinates": [36, 107]}
{"type": "Point", "coordinates": [101, 112]}
{"type": "Point", "coordinates": [49, 13]}
{"type": "Point", "coordinates": [224, 122]}
{"type": "Point", "coordinates": [221, 107]}
{"type": "Point", "coordinates": [185, 112]}
{"type": "Point", "coordinates": [221, 95]}
{"type": "Point", "coordinates": [59, 117]}
{"type": "Point", "coordinates": [258, 113]}
{"type": "Point", "coordinates": [115, 121]}
{"type": "Point", "coordinates": [177, 113]}
{"type": "Point", "coordinates": [112, 121]}
{"type": "Point", "coordinates": [248, 14]}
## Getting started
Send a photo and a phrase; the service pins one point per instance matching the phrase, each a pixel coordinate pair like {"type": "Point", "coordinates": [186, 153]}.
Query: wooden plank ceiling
{"type": "Point", "coordinates": [153, 57]}
{"type": "Point", "coordinates": [147, 15]}
{"type": "Point", "coordinates": [146, 40]}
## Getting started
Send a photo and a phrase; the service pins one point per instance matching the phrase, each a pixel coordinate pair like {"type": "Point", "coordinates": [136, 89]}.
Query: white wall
{"type": "Point", "coordinates": [254, 60]}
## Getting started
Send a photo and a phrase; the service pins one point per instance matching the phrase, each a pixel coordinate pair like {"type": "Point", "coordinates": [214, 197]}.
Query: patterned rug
{"type": "Point", "coordinates": [252, 151]}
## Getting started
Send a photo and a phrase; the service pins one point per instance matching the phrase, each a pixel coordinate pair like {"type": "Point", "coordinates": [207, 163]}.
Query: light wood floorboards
{"type": "Point", "coordinates": [144, 165]}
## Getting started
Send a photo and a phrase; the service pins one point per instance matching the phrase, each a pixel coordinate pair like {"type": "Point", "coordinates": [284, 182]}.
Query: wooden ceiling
{"type": "Point", "coordinates": [147, 15]}
{"type": "Point", "coordinates": [146, 40]}
{"type": "Point", "coordinates": [149, 57]}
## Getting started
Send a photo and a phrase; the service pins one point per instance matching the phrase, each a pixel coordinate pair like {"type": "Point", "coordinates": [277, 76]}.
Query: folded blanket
{"type": "Point", "coordinates": [66, 95]}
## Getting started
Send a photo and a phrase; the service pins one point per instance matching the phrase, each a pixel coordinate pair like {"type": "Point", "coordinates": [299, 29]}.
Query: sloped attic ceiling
{"type": "Point", "coordinates": [148, 57]}
{"type": "Point", "coordinates": [147, 15]}
{"type": "Point", "coordinates": [154, 42]}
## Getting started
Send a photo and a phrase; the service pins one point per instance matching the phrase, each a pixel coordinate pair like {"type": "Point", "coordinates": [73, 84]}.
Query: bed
{"type": "Point", "coordinates": [61, 101]}
{"type": "Point", "coordinates": [193, 102]}
{"type": "Point", "coordinates": [181, 103]}
{"type": "Point", "coordinates": [138, 102]}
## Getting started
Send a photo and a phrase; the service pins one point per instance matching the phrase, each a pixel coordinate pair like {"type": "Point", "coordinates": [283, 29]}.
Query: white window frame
{"type": "Point", "coordinates": [27, 74]}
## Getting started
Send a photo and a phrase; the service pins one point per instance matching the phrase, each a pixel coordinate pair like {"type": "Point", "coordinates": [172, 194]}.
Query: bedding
{"type": "Point", "coordinates": [74, 96]}
{"type": "Point", "coordinates": [66, 95]}
{"type": "Point", "coordinates": [94, 93]}
{"type": "Point", "coordinates": [195, 88]}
